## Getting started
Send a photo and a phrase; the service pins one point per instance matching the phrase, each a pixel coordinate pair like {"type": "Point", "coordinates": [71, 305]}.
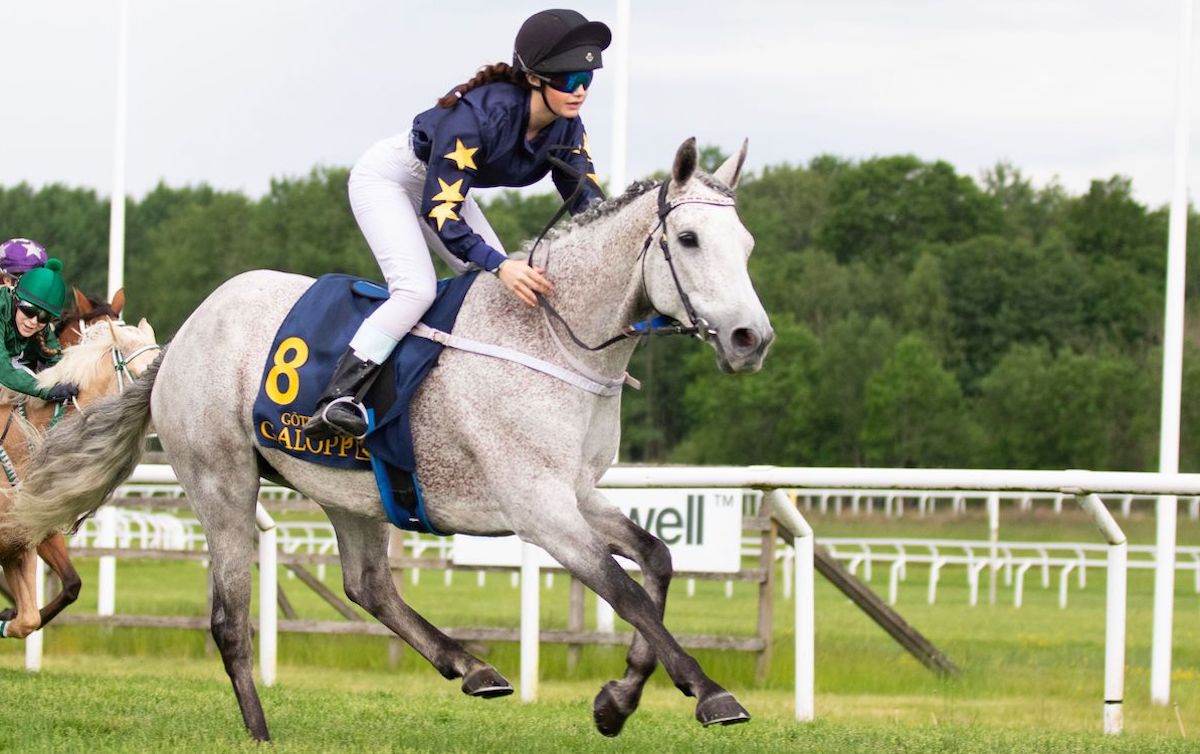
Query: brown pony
{"type": "Point", "coordinates": [13, 438]}
{"type": "Point", "coordinates": [101, 360]}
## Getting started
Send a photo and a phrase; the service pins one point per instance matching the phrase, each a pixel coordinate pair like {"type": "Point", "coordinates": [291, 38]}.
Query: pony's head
{"type": "Point", "coordinates": [696, 273]}
{"type": "Point", "coordinates": [87, 310]}
{"type": "Point", "coordinates": [110, 355]}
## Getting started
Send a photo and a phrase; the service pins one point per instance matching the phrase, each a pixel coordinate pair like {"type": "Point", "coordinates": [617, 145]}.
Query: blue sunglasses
{"type": "Point", "coordinates": [569, 82]}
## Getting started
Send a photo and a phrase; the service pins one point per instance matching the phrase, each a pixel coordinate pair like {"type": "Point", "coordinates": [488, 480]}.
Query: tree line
{"type": "Point", "coordinates": [923, 317]}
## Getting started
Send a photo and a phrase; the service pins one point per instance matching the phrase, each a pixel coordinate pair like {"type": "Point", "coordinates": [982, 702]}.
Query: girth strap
{"type": "Point", "coordinates": [607, 388]}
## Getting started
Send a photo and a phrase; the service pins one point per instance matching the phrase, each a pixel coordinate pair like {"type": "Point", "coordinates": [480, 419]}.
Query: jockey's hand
{"type": "Point", "coordinates": [524, 281]}
{"type": "Point", "coordinates": [63, 391]}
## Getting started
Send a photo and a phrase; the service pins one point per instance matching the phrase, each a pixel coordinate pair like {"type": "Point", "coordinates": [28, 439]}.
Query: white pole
{"type": "Point", "coordinates": [1168, 446]}
{"type": "Point", "coordinates": [1114, 620]}
{"type": "Point", "coordinates": [993, 513]}
{"type": "Point", "coordinates": [268, 595]}
{"type": "Point", "coordinates": [530, 610]}
{"type": "Point", "coordinates": [106, 587]}
{"type": "Point", "coordinates": [606, 617]}
{"type": "Point", "coordinates": [35, 641]}
{"type": "Point", "coordinates": [619, 65]}
{"type": "Point", "coordinates": [794, 521]}
{"type": "Point", "coordinates": [116, 221]}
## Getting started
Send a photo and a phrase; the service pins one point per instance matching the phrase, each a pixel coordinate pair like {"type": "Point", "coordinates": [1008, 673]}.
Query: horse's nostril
{"type": "Point", "coordinates": [745, 339]}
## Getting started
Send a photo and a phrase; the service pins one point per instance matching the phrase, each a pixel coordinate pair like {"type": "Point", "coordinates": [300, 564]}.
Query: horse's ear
{"type": "Point", "coordinates": [118, 301]}
{"type": "Point", "coordinates": [730, 171]}
{"type": "Point", "coordinates": [685, 162]}
{"type": "Point", "coordinates": [82, 305]}
{"type": "Point", "coordinates": [145, 327]}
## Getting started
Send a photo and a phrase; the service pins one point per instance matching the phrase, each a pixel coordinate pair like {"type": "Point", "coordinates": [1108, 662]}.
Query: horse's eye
{"type": "Point", "coordinates": [689, 240]}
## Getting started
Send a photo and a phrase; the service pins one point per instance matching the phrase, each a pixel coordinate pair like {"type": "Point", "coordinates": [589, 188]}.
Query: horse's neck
{"type": "Point", "coordinates": [597, 281]}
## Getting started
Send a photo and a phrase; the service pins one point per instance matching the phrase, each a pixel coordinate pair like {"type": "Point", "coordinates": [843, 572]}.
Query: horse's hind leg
{"type": "Point", "coordinates": [618, 700]}
{"type": "Point", "coordinates": [561, 530]}
{"type": "Point", "coordinates": [54, 552]}
{"type": "Point", "coordinates": [224, 502]}
{"type": "Point", "coordinates": [368, 582]}
{"type": "Point", "coordinates": [21, 573]}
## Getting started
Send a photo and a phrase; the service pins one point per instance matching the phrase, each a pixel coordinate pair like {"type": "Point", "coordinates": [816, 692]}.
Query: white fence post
{"type": "Point", "coordinates": [802, 535]}
{"type": "Point", "coordinates": [1114, 621]}
{"type": "Point", "coordinates": [106, 587]}
{"type": "Point", "coordinates": [268, 595]}
{"type": "Point", "coordinates": [530, 616]}
{"type": "Point", "coordinates": [34, 642]}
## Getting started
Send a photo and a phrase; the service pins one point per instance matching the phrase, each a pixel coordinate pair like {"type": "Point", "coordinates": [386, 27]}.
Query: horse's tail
{"type": "Point", "coordinates": [76, 467]}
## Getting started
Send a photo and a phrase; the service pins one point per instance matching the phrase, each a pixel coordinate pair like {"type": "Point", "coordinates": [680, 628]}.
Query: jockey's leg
{"type": "Point", "coordinates": [362, 545]}
{"type": "Point", "coordinates": [383, 192]}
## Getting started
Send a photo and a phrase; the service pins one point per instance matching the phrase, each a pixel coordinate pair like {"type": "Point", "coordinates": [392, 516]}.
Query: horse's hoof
{"type": "Point", "coordinates": [486, 683]}
{"type": "Point", "coordinates": [8, 613]}
{"type": "Point", "coordinates": [607, 713]}
{"type": "Point", "coordinates": [721, 709]}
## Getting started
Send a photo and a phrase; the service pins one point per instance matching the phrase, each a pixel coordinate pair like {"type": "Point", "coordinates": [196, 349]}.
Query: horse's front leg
{"type": "Point", "coordinates": [367, 579]}
{"type": "Point", "coordinates": [618, 700]}
{"type": "Point", "coordinates": [21, 573]}
{"type": "Point", "coordinates": [558, 526]}
{"type": "Point", "coordinates": [54, 552]}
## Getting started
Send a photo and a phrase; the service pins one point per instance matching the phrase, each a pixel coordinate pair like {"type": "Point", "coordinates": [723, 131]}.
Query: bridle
{"type": "Point", "coordinates": [120, 362]}
{"type": "Point", "coordinates": [659, 324]}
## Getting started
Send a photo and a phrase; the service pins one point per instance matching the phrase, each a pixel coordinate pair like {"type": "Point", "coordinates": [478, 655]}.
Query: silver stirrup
{"type": "Point", "coordinates": [347, 399]}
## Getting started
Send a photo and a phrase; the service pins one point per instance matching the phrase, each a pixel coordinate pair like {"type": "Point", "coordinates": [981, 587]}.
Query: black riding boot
{"type": "Point", "coordinates": [340, 410]}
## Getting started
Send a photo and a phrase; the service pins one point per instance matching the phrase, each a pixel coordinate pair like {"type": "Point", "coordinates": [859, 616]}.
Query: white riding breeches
{"type": "Point", "coordinates": [386, 188]}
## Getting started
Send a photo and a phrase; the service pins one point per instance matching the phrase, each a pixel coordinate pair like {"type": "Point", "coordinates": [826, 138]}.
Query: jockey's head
{"type": "Point", "coordinates": [41, 292]}
{"type": "Point", "coordinates": [560, 48]}
{"type": "Point", "coordinates": [18, 256]}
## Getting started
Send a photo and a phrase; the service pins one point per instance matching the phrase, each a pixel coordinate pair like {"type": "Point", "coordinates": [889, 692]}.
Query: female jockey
{"type": "Point", "coordinates": [409, 192]}
{"type": "Point", "coordinates": [18, 256]}
{"type": "Point", "coordinates": [26, 316]}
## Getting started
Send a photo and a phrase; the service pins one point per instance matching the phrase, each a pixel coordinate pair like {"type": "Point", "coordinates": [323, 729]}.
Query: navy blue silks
{"type": "Point", "coordinates": [306, 347]}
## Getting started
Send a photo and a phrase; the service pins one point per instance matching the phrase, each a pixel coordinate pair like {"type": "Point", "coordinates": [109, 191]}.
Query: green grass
{"type": "Point", "coordinates": [1032, 679]}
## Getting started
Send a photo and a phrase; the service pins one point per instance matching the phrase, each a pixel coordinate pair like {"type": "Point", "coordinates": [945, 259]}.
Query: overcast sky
{"type": "Point", "coordinates": [235, 92]}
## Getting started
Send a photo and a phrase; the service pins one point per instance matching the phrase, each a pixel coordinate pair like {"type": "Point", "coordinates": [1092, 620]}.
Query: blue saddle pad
{"type": "Point", "coordinates": [305, 350]}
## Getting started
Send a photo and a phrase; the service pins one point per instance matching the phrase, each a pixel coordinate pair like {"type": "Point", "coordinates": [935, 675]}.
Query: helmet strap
{"type": "Point", "coordinates": [541, 89]}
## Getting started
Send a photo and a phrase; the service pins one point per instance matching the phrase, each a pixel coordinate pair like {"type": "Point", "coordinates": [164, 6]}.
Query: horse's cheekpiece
{"type": "Point", "coordinates": [302, 358]}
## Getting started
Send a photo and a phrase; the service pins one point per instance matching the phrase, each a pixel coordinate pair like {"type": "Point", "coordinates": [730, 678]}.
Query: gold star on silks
{"type": "Point", "coordinates": [450, 192]}
{"type": "Point", "coordinates": [462, 157]}
{"type": "Point", "coordinates": [595, 178]}
{"type": "Point", "coordinates": [442, 213]}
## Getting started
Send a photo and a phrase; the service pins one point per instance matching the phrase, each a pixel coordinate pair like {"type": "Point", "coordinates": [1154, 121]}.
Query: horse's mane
{"type": "Point", "coordinates": [613, 205]}
{"type": "Point", "coordinates": [79, 361]}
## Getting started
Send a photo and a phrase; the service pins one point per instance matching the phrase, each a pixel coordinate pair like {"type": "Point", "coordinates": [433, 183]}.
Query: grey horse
{"type": "Point", "coordinates": [501, 448]}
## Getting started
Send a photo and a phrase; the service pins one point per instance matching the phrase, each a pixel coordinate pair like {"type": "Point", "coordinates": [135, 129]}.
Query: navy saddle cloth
{"type": "Point", "coordinates": [313, 336]}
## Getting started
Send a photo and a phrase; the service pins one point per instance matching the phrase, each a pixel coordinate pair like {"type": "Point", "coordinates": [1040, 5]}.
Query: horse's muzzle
{"type": "Point", "coordinates": [744, 349]}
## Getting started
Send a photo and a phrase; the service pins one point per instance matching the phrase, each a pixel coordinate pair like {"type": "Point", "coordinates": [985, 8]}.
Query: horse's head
{"type": "Point", "coordinates": [110, 355]}
{"type": "Point", "coordinates": [87, 310]}
{"type": "Point", "coordinates": [696, 271]}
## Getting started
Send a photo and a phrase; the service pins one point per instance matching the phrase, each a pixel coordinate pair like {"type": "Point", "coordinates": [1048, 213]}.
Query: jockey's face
{"type": "Point", "coordinates": [27, 326]}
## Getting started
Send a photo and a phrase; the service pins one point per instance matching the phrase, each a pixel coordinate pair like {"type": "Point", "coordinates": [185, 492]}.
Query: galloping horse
{"type": "Point", "coordinates": [105, 359]}
{"type": "Point", "coordinates": [500, 448]}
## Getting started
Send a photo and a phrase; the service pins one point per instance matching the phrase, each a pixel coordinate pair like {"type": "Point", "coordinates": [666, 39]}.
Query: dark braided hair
{"type": "Point", "coordinates": [46, 350]}
{"type": "Point", "coordinates": [486, 75]}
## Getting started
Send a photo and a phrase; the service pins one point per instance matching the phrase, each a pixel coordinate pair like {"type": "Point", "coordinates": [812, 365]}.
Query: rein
{"type": "Point", "coordinates": [658, 325]}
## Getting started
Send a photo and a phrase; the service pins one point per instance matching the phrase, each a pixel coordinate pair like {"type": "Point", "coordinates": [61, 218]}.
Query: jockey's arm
{"type": "Point", "coordinates": [454, 153]}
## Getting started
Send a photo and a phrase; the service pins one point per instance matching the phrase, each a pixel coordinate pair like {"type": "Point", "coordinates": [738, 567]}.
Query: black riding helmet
{"type": "Point", "coordinates": [559, 41]}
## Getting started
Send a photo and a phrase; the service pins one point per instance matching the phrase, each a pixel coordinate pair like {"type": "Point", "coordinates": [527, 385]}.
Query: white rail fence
{"type": "Point", "coordinates": [925, 502]}
{"type": "Point", "coordinates": [1084, 486]}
